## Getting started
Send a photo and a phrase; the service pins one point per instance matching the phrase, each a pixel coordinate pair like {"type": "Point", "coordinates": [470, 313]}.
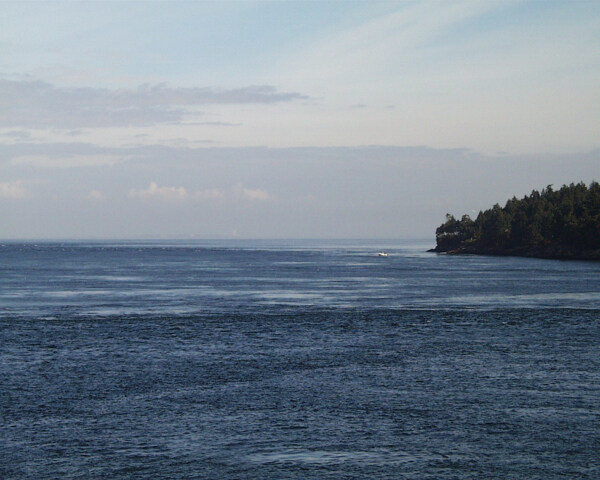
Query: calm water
{"type": "Point", "coordinates": [295, 360]}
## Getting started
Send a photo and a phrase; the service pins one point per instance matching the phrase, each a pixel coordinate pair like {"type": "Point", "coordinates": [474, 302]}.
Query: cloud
{"type": "Point", "coordinates": [66, 161]}
{"type": "Point", "coordinates": [379, 43]}
{"type": "Point", "coordinates": [18, 134]}
{"type": "Point", "coordinates": [61, 155]}
{"type": "Point", "coordinates": [219, 124]}
{"type": "Point", "coordinates": [154, 191]}
{"type": "Point", "coordinates": [13, 190]}
{"type": "Point", "coordinates": [257, 194]}
{"type": "Point", "coordinates": [161, 193]}
{"type": "Point", "coordinates": [37, 104]}
{"type": "Point", "coordinates": [95, 195]}
{"type": "Point", "coordinates": [210, 193]}
{"type": "Point", "coordinates": [374, 191]}
{"type": "Point", "coordinates": [254, 194]}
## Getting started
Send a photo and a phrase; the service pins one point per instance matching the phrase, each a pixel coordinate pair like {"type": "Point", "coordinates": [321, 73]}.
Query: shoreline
{"type": "Point", "coordinates": [551, 253]}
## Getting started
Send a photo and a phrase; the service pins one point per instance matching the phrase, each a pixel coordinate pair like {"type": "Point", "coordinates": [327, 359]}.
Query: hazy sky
{"type": "Point", "coordinates": [288, 119]}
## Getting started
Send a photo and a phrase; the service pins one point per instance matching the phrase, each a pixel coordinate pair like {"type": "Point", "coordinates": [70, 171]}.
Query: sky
{"type": "Point", "coordinates": [285, 119]}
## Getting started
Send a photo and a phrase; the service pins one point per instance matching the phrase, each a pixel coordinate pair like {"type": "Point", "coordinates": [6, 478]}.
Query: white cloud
{"type": "Point", "coordinates": [13, 190]}
{"type": "Point", "coordinates": [161, 193]}
{"type": "Point", "coordinates": [175, 193]}
{"type": "Point", "coordinates": [257, 194]}
{"type": "Point", "coordinates": [181, 193]}
{"type": "Point", "coordinates": [154, 191]}
{"type": "Point", "coordinates": [95, 195]}
{"type": "Point", "coordinates": [252, 193]}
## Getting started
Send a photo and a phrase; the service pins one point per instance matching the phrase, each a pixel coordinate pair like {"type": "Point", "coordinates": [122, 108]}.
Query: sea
{"type": "Point", "coordinates": [295, 359]}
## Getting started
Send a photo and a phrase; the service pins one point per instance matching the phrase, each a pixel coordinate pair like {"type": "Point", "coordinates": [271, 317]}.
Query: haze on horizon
{"type": "Point", "coordinates": [266, 119]}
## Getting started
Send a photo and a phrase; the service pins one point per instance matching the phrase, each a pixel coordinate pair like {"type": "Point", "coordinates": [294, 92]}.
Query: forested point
{"type": "Point", "coordinates": [563, 224]}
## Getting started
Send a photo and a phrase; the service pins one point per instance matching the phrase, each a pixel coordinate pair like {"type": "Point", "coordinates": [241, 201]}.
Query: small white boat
{"type": "Point", "coordinates": [382, 254]}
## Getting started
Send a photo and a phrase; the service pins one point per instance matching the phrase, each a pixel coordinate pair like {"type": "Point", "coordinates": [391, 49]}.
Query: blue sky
{"type": "Point", "coordinates": [287, 119]}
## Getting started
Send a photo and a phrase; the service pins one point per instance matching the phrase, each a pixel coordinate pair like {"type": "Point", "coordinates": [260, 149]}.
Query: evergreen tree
{"type": "Point", "coordinates": [567, 220]}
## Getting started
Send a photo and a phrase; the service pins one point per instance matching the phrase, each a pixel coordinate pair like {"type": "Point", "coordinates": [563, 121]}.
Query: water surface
{"type": "Point", "coordinates": [301, 359]}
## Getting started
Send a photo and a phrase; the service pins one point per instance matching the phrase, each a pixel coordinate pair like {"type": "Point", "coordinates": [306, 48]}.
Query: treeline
{"type": "Point", "coordinates": [553, 223]}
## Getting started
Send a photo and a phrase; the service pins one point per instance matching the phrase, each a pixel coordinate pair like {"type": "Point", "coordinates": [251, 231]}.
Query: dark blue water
{"type": "Point", "coordinates": [295, 360]}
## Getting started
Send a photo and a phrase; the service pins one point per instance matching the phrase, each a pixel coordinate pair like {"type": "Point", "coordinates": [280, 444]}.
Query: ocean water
{"type": "Point", "coordinates": [295, 360]}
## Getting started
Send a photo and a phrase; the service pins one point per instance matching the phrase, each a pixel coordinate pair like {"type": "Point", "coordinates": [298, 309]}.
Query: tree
{"type": "Point", "coordinates": [567, 219]}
